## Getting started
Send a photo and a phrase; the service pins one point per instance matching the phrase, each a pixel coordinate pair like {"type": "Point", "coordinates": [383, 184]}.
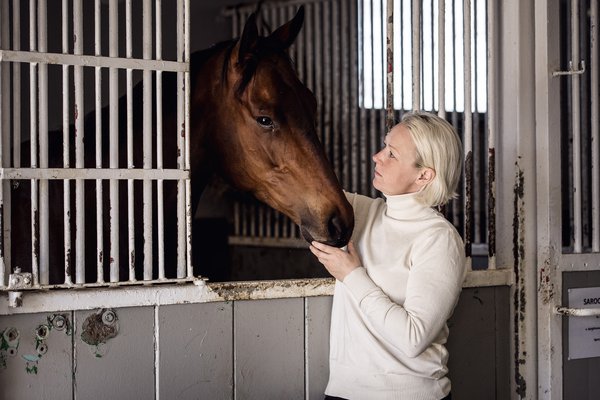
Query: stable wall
{"type": "Point", "coordinates": [238, 349]}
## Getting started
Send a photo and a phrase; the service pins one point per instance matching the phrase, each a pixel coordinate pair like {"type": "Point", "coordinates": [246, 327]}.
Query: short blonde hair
{"type": "Point", "coordinates": [438, 147]}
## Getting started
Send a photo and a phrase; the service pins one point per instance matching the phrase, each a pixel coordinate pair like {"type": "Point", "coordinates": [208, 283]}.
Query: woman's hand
{"type": "Point", "coordinates": [338, 262]}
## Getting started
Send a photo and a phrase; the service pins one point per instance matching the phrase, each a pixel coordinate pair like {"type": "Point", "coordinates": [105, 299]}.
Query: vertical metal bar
{"type": "Point", "coordinates": [352, 143]}
{"type": "Point", "coordinates": [416, 54]}
{"type": "Point", "coordinates": [468, 128]}
{"type": "Point", "coordinates": [113, 95]}
{"type": "Point", "coordinates": [4, 129]}
{"type": "Point", "coordinates": [43, 142]}
{"type": "Point", "coordinates": [333, 18]}
{"type": "Point", "coordinates": [372, 112]}
{"type": "Point", "coordinates": [491, 117]}
{"type": "Point", "coordinates": [33, 115]}
{"type": "Point", "coordinates": [130, 162]}
{"type": "Point", "coordinates": [363, 151]}
{"type": "Point", "coordinates": [576, 127]}
{"type": "Point", "coordinates": [16, 129]}
{"type": "Point", "coordinates": [147, 137]}
{"type": "Point", "coordinates": [181, 243]}
{"type": "Point", "coordinates": [442, 59]}
{"type": "Point", "coordinates": [79, 133]}
{"type": "Point", "coordinates": [159, 144]}
{"type": "Point", "coordinates": [188, 184]}
{"type": "Point", "coordinates": [98, 111]}
{"type": "Point", "coordinates": [66, 146]}
{"type": "Point", "coordinates": [390, 65]}
{"type": "Point", "coordinates": [595, 126]}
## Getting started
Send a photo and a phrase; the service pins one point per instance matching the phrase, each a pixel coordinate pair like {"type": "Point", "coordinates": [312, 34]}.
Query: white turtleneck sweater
{"type": "Point", "coordinates": [388, 321]}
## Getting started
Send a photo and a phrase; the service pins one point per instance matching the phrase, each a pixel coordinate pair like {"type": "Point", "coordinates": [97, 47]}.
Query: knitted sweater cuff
{"type": "Point", "coordinates": [359, 283]}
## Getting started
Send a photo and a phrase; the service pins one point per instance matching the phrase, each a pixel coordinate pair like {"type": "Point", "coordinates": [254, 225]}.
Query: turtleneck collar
{"type": "Point", "coordinates": [406, 207]}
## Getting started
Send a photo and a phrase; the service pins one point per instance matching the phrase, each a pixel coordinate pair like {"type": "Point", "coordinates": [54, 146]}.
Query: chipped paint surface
{"type": "Point", "coordinates": [491, 202]}
{"type": "Point", "coordinates": [520, 356]}
{"type": "Point", "coordinates": [98, 328]}
{"type": "Point", "coordinates": [272, 289]}
{"type": "Point", "coordinates": [546, 289]}
{"type": "Point", "coordinates": [468, 202]}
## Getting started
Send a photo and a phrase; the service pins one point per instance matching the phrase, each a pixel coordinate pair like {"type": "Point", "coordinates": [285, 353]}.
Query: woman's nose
{"type": "Point", "coordinates": [376, 156]}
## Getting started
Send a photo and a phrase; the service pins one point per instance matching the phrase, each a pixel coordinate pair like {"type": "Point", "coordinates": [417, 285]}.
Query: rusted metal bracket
{"type": "Point", "coordinates": [571, 71]}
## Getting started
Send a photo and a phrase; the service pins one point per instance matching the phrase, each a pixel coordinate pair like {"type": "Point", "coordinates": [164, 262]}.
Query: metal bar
{"type": "Point", "coordinates": [333, 19]}
{"type": "Point", "coordinates": [442, 59]}
{"type": "Point", "coordinates": [595, 126]}
{"type": "Point", "coordinates": [66, 146]}
{"type": "Point", "coordinates": [576, 128]}
{"type": "Point", "coordinates": [159, 144]}
{"type": "Point", "coordinates": [416, 54]}
{"type": "Point", "coordinates": [390, 66]}
{"type": "Point", "coordinates": [93, 173]}
{"type": "Point", "coordinates": [352, 143]}
{"type": "Point", "coordinates": [491, 118]}
{"type": "Point", "coordinates": [4, 141]}
{"type": "Point", "coordinates": [4, 132]}
{"type": "Point", "coordinates": [188, 183]}
{"type": "Point", "coordinates": [43, 144]}
{"type": "Point", "coordinates": [113, 95]}
{"type": "Point", "coordinates": [98, 111]}
{"type": "Point", "coordinates": [372, 112]}
{"type": "Point", "coordinates": [181, 249]}
{"type": "Point", "coordinates": [147, 138]}
{"type": "Point", "coordinates": [468, 129]}
{"type": "Point", "coordinates": [79, 134]}
{"type": "Point", "coordinates": [577, 312]}
{"type": "Point", "coordinates": [130, 162]}
{"type": "Point", "coordinates": [33, 139]}
{"type": "Point", "coordinates": [92, 61]}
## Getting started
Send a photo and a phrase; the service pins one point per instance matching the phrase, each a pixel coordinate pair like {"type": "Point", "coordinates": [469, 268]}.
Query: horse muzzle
{"type": "Point", "coordinates": [335, 230]}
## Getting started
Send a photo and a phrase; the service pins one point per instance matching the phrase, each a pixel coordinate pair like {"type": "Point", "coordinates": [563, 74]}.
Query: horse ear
{"type": "Point", "coordinates": [286, 34]}
{"type": "Point", "coordinates": [249, 38]}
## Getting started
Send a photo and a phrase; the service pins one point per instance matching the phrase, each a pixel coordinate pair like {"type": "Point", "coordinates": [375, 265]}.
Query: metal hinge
{"type": "Point", "coordinates": [17, 281]}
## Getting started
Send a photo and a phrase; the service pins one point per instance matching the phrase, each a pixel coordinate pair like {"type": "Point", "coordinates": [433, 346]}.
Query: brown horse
{"type": "Point", "coordinates": [252, 122]}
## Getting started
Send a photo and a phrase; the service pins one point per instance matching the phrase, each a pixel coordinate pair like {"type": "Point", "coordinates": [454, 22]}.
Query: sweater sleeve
{"type": "Point", "coordinates": [434, 284]}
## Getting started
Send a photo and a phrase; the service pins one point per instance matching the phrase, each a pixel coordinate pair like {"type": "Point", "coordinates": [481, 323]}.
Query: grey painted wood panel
{"type": "Point", "coordinates": [318, 319]}
{"type": "Point", "coordinates": [269, 349]}
{"type": "Point", "coordinates": [196, 351]}
{"type": "Point", "coordinates": [123, 368]}
{"type": "Point", "coordinates": [42, 377]}
{"type": "Point", "coordinates": [472, 343]}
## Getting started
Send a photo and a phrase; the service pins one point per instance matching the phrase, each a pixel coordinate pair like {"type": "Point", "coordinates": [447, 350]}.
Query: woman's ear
{"type": "Point", "coordinates": [426, 175]}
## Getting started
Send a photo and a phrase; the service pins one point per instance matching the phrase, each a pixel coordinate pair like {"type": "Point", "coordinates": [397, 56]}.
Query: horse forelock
{"type": "Point", "coordinates": [264, 48]}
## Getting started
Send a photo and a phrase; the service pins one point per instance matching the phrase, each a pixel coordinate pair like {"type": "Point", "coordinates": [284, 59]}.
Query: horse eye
{"type": "Point", "coordinates": [264, 121]}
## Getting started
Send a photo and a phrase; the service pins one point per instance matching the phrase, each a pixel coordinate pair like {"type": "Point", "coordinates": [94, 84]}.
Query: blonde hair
{"type": "Point", "coordinates": [438, 147]}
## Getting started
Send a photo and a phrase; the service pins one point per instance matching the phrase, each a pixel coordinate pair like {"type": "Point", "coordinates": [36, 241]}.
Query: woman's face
{"type": "Point", "coordinates": [395, 165]}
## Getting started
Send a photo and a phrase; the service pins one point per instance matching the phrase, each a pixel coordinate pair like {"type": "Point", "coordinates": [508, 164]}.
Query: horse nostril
{"type": "Point", "coordinates": [335, 227]}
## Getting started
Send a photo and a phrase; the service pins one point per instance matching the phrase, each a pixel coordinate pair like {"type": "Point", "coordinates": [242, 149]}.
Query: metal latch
{"type": "Point", "coordinates": [577, 312]}
{"type": "Point", "coordinates": [18, 281]}
{"type": "Point", "coordinates": [571, 70]}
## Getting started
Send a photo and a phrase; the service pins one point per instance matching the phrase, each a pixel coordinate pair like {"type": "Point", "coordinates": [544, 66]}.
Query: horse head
{"type": "Point", "coordinates": [262, 120]}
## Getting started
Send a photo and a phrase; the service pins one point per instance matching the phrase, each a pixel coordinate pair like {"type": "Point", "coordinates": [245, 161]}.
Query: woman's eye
{"type": "Point", "coordinates": [264, 121]}
{"type": "Point", "coordinates": [391, 155]}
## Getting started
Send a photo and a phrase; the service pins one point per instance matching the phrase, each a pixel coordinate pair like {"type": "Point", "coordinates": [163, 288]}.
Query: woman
{"type": "Point", "coordinates": [398, 286]}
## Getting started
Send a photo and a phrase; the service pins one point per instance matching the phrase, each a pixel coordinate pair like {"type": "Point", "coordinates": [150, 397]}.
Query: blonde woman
{"type": "Point", "coordinates": [401, 276]}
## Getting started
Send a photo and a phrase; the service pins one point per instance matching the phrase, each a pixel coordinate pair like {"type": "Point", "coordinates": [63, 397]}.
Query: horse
{"type": "Point", "coordinates": [252, 123]}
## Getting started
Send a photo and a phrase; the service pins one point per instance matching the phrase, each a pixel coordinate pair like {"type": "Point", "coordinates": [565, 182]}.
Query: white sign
{"type": "Point", "coordinates": [584, 332]}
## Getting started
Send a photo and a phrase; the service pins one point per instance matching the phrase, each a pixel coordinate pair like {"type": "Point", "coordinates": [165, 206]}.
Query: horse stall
{"type": "Point", "coordinates": [126, 273]}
